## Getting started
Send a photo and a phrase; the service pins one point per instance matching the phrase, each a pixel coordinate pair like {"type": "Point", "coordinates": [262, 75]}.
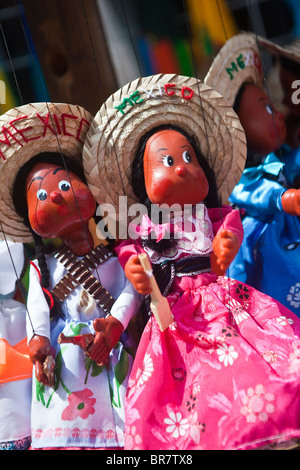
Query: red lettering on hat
{"type": "Point", "coordinates": [186, 89]}
{"type": "Point", "coordinates": [21, 132]}
{"type": "Point", "coordinates": [257, 62]}
{"type": "Point", "coordinates": [45, 121]}
{"type": "Point", "coordinates": [63, 119]}
{"type": "Point", "coordinates": [6, 141]}
{"type": "Point", "coordinates": [80, 128]}
{"type": "Point", "coordinates": [57, 123]}
{"type": "Point", "coordinates": [167, 86]}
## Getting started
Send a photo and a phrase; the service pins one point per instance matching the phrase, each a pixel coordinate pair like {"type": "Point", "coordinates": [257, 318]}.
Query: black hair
{"type": "Point", "coordinates": [20, 203]}
{"type": "Point", "coordinates": [138, 180]}
{"type": "Point", "coordinates": [238, 97]}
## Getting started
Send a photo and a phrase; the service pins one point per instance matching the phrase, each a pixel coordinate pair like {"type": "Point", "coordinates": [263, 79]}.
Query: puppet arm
{"type": "Point", "coordinates": [260, 198]}
{"type": "Point", "coordinates": [228, 231]}
{"type": "Point", "coordinates": [38, 325]}
{"type": "Point", "coordinates": [129, 260]}
{"type": "Point", "coordinates": [290, 201]}
{"type": "Point", "coordinates": [108, 330]}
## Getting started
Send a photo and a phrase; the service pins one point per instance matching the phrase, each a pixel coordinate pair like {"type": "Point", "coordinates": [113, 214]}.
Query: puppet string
{"type": "Point", "coordinates": [203, 114]}
{"type": "Point", "coordinates": [101, 87]}
{"type": "Point", "coordinates": [38, 74]}
{"type": "Point", "coordinates": [267, 88]}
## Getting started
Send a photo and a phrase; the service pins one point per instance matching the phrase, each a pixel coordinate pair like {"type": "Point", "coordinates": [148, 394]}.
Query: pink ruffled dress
{"type": "Point", "coordinates": [225, 375]}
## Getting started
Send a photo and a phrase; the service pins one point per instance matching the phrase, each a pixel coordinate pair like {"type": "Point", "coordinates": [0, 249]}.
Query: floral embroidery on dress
{"type": "Point", "coordinates": [133, 440]}
{"type": "Point", "coordinates": [81, 404]}
{"type": "Point", "coordinates": [283, 321]}
{"type": "Point", "coordinates": [145, 372]}
{"type": "Point", "coordinates": [258, 404]}
{"type": "Point", "coordinates": [227, 354]}
{"type": "Point", "coordinates": [176, 424]}
{"type": "Point", "coordinates": [75, 433]}
{"type": "Point", "coordinates": [293, 296]}
{"type": "Point", "coordinates": [238, 312]}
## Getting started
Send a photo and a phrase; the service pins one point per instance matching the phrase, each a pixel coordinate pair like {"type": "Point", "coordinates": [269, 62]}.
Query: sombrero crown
{"type": "Point", "coordinates": [290, 52]}
{"type": "Point", "coordinates": [237, 62]}
{"type": "Point", "coordinates": [26, 131]}
{"type": "Point", "coordinates": [146, 103]}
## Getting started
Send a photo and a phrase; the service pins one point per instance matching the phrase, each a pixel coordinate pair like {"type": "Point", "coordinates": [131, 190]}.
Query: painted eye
{"type": "Point", "coordinates": [168, 160]}
{"type": "Point", "coordinates": [42, 194]}
{"type": "Point", "coordinates": [291, 246]}
{"type": "Point", "coordinates": [186, 156]}
{"type": "Point", "coordinates": [64, 185]}
{"type": "Point", "coordinates": [269, 109]}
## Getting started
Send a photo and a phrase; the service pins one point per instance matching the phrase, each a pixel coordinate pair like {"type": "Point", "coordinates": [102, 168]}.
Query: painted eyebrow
{"type": "Point", "coordinates": [33, 179]}
{"type": "Point", "coordinates": [159, 150]}
{"type": "Point", "coordinates": [58, 169]}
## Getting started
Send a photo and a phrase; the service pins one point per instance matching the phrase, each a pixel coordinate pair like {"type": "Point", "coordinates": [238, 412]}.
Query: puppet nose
{"type": "Point", "coordinates": [56, 197]}
{"type": "Point", "coordinates": [180, 170]}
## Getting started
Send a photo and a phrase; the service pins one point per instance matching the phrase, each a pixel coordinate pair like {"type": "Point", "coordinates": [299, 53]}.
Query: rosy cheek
{"type": "Point", "coordinates": [159, 189]}
{"type": "Point", "coordinates": [86, 202]}
{"type": "Point", "coordinates": [43, 223]}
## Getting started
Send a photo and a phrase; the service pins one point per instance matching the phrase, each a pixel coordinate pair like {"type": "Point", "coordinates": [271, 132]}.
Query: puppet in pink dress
{"type": "Point", "coordinates": [226, 373]}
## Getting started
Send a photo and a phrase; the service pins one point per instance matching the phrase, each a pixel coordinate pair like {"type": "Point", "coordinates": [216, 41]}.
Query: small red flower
{"type": "Point", "coordinates": [80, 405]}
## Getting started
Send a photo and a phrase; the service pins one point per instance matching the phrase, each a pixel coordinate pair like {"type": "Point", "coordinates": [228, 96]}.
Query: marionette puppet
{"type": "Point", "coordinates": [79, 300]}
{"type": "Point", "coordinates": [284, 88]}
{"type": "Point", "coordinates": [269, 258]}
{"type": "Point", "coordinates": [15, 364]}
{"type": "Point", "coordinates": [171, 142]}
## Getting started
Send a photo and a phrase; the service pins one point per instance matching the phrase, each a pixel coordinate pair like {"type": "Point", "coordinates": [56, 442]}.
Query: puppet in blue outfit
{"type": "Point", "coordinates": [269, 258]}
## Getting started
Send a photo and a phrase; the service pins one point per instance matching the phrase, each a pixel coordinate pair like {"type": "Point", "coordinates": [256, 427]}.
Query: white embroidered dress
{"type": "Point", "coordinates": [85, 408]}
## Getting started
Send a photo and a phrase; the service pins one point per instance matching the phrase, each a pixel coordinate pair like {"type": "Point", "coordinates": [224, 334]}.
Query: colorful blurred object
{"type": "Point", "coordinates": [211, 25]}
{"type": "Point", "coordinates": [7, 98]}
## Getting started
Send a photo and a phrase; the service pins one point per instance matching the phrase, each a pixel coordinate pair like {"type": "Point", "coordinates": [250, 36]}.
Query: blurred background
{"type": "Point", "coordinates": [82, 51]}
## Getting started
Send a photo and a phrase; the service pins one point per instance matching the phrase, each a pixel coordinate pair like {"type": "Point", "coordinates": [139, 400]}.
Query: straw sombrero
{"type": "Point", "coordinates": [291, 52]}
{"type": "Point", "coordinates": [26, 131]}
{"type": "Point", "coordinates": [145, 103]}
{"type": "Point", "coordinates": [237, 62]}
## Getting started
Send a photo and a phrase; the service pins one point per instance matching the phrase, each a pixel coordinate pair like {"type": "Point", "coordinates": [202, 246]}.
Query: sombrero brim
{"type": "Point", "coordinates": [237, 62]}
{"type": "Point", "coordinates": [25, 132]}
{"type": "Point", "coordinates": [146, 103]}
{"type": "Point", "coordinates": [291, 51]}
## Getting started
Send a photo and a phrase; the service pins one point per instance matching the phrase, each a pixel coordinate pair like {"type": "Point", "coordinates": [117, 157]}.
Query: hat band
{"type": "Point", "coordinates": [167, 88]}
{"type": "Point", "coordinates": [55, 124]}
{"type": "Point", "coordinates": [243, 60]}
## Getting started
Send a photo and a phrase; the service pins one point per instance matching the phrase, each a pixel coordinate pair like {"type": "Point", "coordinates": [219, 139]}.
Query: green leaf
{"type": "Point", "coordinates": [77, 328]}
{"type": "Point", "coordinates": [96, 370]}
{"type": "Point", "coordinates": [122, 368]}
{"type": "Point", "coordinates": [40, 391]}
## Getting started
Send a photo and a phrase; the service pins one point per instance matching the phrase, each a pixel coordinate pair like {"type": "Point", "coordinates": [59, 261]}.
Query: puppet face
{"type": "Point", "coordinates": [172, 172]}
{"type": "Point", "coordinates": [264, 127]}
{"type": "Point", "coordinates": [58, 202]}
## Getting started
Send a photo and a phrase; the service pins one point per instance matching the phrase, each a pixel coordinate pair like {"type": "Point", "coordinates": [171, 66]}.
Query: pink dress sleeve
{"type": "Point", "coordinates": [227, 218]}
{"type": "Point", "coordinates": [126, 249]}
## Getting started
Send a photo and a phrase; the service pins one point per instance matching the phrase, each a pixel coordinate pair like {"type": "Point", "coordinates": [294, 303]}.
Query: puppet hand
{"type": "Point", "coordinates": [108, 331]}
{"type": "Point", "coordinates": [136, 275]}
{"type": "Point", "coordinates": [225, 246]}
{"type": "Point", "coordinates": [290, 201]}
{"type": "Point", "coordinates": [39, 349]}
